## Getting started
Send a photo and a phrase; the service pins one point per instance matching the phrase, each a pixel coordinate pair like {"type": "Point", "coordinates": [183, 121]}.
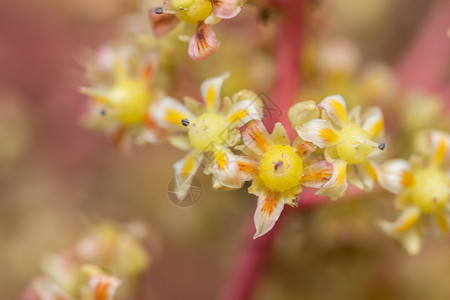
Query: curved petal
{"type": "Point", "coordinates": [268, 210]}
{"type": "Point", "coordinates": [180, 141]}
{"type": "Point", "coordinates": [255, 137]}
{"type": "Point", "coordinates": [243, 112]}
{"type": "Point", "coordinates": [203, 43]}
{"type": "Point", "coordinates": [373, 122]}
{"type": "Point", "coordinates": [363, 175]}
{"type": "Point", "coordinates": [226, 9]}
{"type": "Point", "coordinates": [405, 230]}
{"type": "Point", "coordinates": [336, 109]}
{"type": "Point", "coordinates": [440, 146]}
{"type": "Point", "coordinates": [104, 287]}
{"type": "Point", "coordinates": [279, 135]}
{"type": "Point", "coordinates": [302, 148]}
{"type": "Point", "coordinates": [317, 174]}
{"type": "Point", "coordinates": [247, 167]}
{"type": "Point", "coordinates": [354, 115]}
{"type": "Point", "coordinates": [210, 90]}
{"type": "Point", "coordinates": [337, 185]}
{"type": "Point", "coordinates": [226, 169]}
{"type": "Point", "coordinates": [168, 113]}
{"type": "Point", "coordinates": [185, 170]}
{"type": "Point", "coordinates": [395, 175]}
{"type": "Point", "coordinates": [319, 132]}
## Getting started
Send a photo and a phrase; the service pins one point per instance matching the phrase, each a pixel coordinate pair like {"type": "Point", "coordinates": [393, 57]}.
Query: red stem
{"type": "Point", "coordinates": [288, 44]}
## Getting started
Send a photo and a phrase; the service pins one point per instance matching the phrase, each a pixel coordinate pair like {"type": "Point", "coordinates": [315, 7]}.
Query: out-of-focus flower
{"type": "Point", "coordinates": [423, 189]}
{"type": "Point", "coordinates": [278, 171]}
{"type": "Point", "coordinates": [208, 132]}
{"type": "Point", "coordinates": [423, 111]}
{"type": "Point", "coordinates": [121, 94]}
{"type": "Point", "coordinates": [348, 144]}
{"type": "Point", "coordinates": [77, 272]}
{"type": "Point", "coordinates": [203, 13]}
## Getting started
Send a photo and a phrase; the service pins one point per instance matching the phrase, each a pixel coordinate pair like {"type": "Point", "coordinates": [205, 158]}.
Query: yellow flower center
{"type": "Point", "coordinates": [129, 99]}
{"type": "Point", "coordinates": [281, 168]}
{"type": "Point", "coordinates": [208, 129]}
{"type": "Point", "coordinates": [191, 11]}
{"type": "Point", "coordinates": [352, 146]}
{"type": "Point", "coordinates": [431, 191]}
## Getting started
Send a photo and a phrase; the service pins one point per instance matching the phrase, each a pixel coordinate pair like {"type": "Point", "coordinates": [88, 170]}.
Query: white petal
{"type": "Point", "coordinates": [363, 175]}
{"type": "Point", "coordinates": [268, 210]}
{"type": "Point", "coordinates": [226, 169]}
{"type": "Point", "coordinates": [210, 90]}
{"type": "Point", "coordinates": [336, 187]}
{"type": "Point", "coordinates": [394, 175]}
{"type": "Point", "coordinates": [255, 137]}
{"type": "Point", "coordinates": [243, 112]}
{"type": "Point", "coordinates": [440, 145]}
{"type": "Point", "coordinates": [373, 122]}
{"type": "Point", "coordinates": [179, 141]}
{"type": "Point", "coordinates": [168, 113]}
{"type": "Point", "coordinates": [317, 174]}
{"type": "Point", "coordinates": [319, 132]}
{"type": "Point", "coordinates": [185, 170]}
{"type": "Point", "coordinates": [336, 109]}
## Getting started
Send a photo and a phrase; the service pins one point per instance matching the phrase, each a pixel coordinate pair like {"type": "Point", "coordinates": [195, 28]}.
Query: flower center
{"type": "Point", "coordinates": [281, 168]}
{"type": "Point", "coordinates": [207, 130]}
{"type": "Point", "coordinates": [129, 99]}
{"type": "Point", "coordinates": [354, 145]}
{"type": "Point", "coordinates": [431, 191]}
{"type": "Point", "coordinates": [191, 11]}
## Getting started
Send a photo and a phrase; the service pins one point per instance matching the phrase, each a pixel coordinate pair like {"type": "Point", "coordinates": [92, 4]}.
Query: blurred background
{"type": "Point", "coordinates": [58, 179]}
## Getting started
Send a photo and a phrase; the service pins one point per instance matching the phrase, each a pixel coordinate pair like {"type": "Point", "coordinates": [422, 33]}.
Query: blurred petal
{"type": "Point", "coordinates": [395, 175]}
{"type": "Point", "coordinates": [255, 137]}
{"type": "Point", "coordinates": [337, 185]}
{"type": "Point", "coordinates": [185, 170]}
{"type": "Point", "coordinates": [168, 113]}
{"type": "Point", "coordinates": [243, 112]}
{"type": "Point", "coordinates": [210, 90]}
{"type": "Point", "coordinates": [317, 174]}
{"type": "Point", "coordinates": [161, 23]}
{"type": "Point", "coordinates": [104, 287]}
{"type": "Point", "coordinates": [354, 115]}
{"type": "Point", "coordinates": [373, 122]}
{"type": "Point", "coordinates": [279, 135]}
{"type": "Point", "coordinates": [440, 146]}
{"type": "Point", "coordinates": [267, 212]}
{"type": "Point", "coordinates": [44, 289]}
{"type": "Point", "coordinates": [226, 9]}
{"type": "Point", "coordinates": [179, 141]}
{"type": "Point", "coordinates": [336, 109]}
{"type": "Point", "coordinates": [319, 132]}
{"type": "Point", "coordinates": [203, 43]}
{"type": "Point", "coordinates": [362, 175]}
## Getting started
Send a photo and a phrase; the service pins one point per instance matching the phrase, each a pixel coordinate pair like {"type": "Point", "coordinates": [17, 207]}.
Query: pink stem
{"type": "Point", "coordinates": [288, 44]}
{"type": "Point", "coordinates": [425, 63]}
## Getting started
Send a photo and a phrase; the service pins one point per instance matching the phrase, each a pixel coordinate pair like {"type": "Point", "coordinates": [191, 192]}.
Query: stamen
{"type": "Point", "coordinates": [381, 146]}
{"type": "Point", "coordinates": [159, 11]}
{"type": "Point", "coordinates": [357, 146]}
{"type": "Point", "coordinates": [103, 112]}
{"type": "Point", "coordinates": [185, 122]}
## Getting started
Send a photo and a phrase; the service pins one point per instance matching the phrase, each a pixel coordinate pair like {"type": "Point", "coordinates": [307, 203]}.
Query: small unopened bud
{"type": "Point", "coordinates": [159, 11]}
{"type": "Point", "coordinates": [185, 122]}
{"type": "Point", "coordinates": [381, 146]}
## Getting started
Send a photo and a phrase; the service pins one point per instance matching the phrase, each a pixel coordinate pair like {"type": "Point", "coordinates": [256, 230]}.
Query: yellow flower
{"type": "Point", "coordinates": [423, 189]}
{"type": "Point", "coordinates": [120, 103]}
{"type": "Point", "coordinates": [207, 132]}
{"type": "Point", "coordinates": [348, 144]}
{"type": "Point", "coordinates": [277, 170]}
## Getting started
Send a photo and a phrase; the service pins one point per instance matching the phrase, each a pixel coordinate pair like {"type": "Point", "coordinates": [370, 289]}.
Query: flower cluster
{"type": "Point", "coordinates": [200, 13]}
{"type": "Point", "coordinates": [422, 186]}
{"type": "Point", "coordinates": [80, 271]}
